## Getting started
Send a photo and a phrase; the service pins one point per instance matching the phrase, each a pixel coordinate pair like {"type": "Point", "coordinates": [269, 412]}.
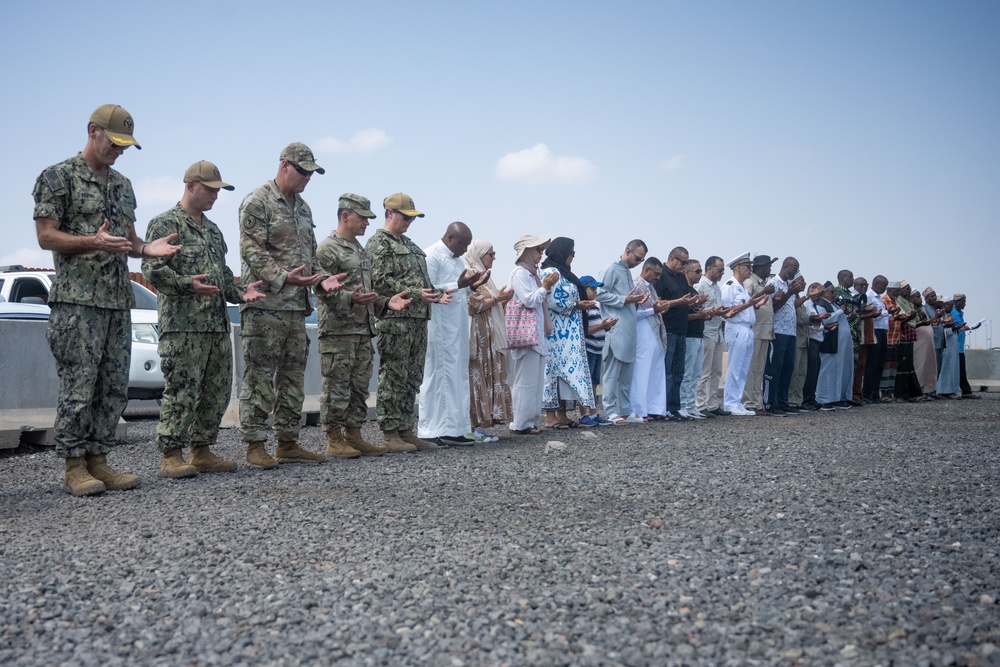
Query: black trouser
{"type": "Point", "coordinates": [963, 379]}
{"type": "Point", "coordinates": [873, 366]}
{"type": "Point", "coordinates": [812, 374]}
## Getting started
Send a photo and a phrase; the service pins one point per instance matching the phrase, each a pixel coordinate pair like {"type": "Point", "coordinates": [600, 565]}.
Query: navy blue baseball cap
{"type": "Point", "coordinates": [590, 281]}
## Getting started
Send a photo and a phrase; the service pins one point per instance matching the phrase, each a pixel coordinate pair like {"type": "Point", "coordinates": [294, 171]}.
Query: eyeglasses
{"type": "Point", "coordinates": [302, 172]}
{"type": "Point", "coordinates": [694, 270]}
{"type": "Point", "coordinates": [406, 218]}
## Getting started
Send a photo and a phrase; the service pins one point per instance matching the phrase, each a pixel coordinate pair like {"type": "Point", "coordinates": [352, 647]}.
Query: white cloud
{"type": "Point", "coordinates": [32, 258]}
{"type": "Point", "coordinates": [538, 164]}
{"type": "Point", "coordinates": [158, 192]}
{"type": "Point", "coordinates": [673, 163]}
{"type": "Point", "coordinates": [363, 142]}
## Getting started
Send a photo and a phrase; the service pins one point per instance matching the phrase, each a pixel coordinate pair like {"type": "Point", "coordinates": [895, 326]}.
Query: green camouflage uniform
{"type": "Point", "coordinates": [345, 333]}
{"type": "Point", "coordinates": [276, 236]}
{"type": "Point", "coordinates": [195, 350]}
{"type": "Point", "coordinates": [398, 265]}
{"type": "Point", "coordinates": [89, 326]}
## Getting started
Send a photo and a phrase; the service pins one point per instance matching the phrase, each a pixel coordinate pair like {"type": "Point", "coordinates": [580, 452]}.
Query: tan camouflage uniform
{"type": "Point", "coordinates": [89, 326]}
{"type": "Point", "coordinates": [276, 236]}
{"type": "Point", "coordinates": [345, 333]}
{"type": "Point", "coordinates": [195, 348]}
{"type": "Point", "coordinates": [398, 265]}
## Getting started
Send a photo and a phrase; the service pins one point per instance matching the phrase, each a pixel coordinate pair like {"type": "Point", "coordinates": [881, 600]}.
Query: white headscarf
{"type": "Point", "coordinates": [474, 260]}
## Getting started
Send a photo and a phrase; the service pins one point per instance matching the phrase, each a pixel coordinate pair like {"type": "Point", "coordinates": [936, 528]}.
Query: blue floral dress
{"type": "Point", "coordinates": [567, 376]}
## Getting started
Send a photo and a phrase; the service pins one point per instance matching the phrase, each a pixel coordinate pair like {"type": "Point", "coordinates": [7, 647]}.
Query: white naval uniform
{"type": "Point", "coordinates": [739, 340]}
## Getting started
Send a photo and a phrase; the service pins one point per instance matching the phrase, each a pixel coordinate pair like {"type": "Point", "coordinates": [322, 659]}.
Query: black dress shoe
{"type": "Point", "coordinates": [719, 412]}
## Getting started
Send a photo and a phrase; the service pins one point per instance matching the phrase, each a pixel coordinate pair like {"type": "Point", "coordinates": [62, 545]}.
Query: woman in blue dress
{"type": "Point", "coordinates": [567, 375]}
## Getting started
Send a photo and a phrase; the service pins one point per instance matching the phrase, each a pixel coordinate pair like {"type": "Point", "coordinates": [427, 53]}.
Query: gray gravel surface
{"type": "Point", "coordinates": [861, 537]}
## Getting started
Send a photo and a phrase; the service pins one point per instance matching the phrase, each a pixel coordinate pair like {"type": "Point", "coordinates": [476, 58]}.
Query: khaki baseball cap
{"type": "Point", "coordinates": [117, 123]}
{"type": "Point", "coordinates": [300, 154]}
{"type": "Point", "coordinates": [402, 203]}
{"type": "Point", "coordinates": [206, 173]}
{"type": "Point", "coordinates": [360, 205]}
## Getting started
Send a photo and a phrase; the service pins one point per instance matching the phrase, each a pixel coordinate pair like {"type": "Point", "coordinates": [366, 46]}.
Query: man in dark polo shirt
{"type": "Point", "coordinates": [672, 287]}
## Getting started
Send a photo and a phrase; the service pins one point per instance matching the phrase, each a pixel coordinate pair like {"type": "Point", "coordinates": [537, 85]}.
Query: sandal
{"type": "Point", "coordinates": [559, 426]}
{"type": "Point", "coordinates": [526, 431]}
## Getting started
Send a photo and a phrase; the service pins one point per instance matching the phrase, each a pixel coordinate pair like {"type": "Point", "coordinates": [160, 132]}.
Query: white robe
{"type": "Point", "coordinates": [444, 393]}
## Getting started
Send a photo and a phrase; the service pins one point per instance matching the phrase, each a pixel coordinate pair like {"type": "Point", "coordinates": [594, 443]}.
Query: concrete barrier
{"type": "Point", "coordinates": [982, 367]}
{"type": "Point", "coordinates": [313, 381]}
{"type": "Point", "coordinates": [29, 386]}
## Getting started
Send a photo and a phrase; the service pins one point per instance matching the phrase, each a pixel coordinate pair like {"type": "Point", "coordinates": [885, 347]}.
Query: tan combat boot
{"type": "Point", "coordinates": [97, 465]}
{"type": "Point", "coordinates": [290, 452]}
{"type": "Point", "coordinates": [394, 444]}
{"type": "Point", "coordinates": [175, 467]}
{"type": "Point", "coordinates": [258, 457]}
{"type": "Point", "coordinates": [336, 447]}
{"type": "Point", "coordinates": [204, 460]}
{"type": "Point", "coordinates": [79, 481]}
{"type": "Point", "coordinates": [352, 436]}
{"type": "Point", "coordinates": [422, 445]}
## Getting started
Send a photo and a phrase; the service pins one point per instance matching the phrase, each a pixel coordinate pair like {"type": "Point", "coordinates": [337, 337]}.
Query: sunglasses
{"type": "Point", "coordinates": [302, 172]}
{"type": "Point", "coordinates": [406, 218]}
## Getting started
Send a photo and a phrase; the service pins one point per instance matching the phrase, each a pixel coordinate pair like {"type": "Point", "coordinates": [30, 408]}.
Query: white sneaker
{"type": "Point", "coordinates": [743, 412]}
{"type": "Point", "coordinates": [694, 413]}
{"type": "Point", "coordinates": [483, 436]}
{"type": "Point", "coordinates": [635, 419]}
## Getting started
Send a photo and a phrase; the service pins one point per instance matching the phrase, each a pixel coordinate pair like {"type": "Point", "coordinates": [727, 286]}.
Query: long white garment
{"type": "Point", "coordinates": [444, 393]}
{"type": "Point", "coordinates": [527, 364]}
{"type": "Point", "coordinates": [648, 392]}
{"type": "Point", "coordinates": [834, 379]}
{"type": "Point", "coordinates": [649, 381]}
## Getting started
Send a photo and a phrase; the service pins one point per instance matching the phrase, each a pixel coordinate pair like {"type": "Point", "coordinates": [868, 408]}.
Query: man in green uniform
{"type": "Point", "coordinates": [346, 327]}
{"type": "Point", "coordinates": [278, 246]}
{"type": "Point", "coordinates": [399, 266]}
{"type": "Point", "coordinates": [196, 353]}
{"type": "Point", "coordinates": [85, 214]}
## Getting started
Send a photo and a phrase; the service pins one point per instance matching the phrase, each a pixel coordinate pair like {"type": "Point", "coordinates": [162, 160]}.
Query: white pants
{"type": "Point", "coordinates": [649, 380]}
{"type": "Point", "coordinates": [527, 383]}
{"type": "Point", "coordinates": [739, 338]}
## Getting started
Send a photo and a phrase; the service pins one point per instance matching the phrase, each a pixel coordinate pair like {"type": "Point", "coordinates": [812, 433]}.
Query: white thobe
{"type": "Point", "coordinates": [649, 381]}
{"type": "Point", "coordinates": [444, 393]}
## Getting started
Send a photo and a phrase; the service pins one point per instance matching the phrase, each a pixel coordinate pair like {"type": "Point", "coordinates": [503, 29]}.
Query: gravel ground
{"type": "Point", "coordinates": [861, 537]}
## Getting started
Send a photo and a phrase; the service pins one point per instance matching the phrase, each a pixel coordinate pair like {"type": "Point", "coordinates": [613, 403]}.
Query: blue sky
{"type": "Point", "coordinates": [853, 135]}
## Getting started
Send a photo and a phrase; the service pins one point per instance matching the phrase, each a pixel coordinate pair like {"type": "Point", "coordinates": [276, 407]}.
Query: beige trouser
{"type": "Point", "coordinates": [753, 393]}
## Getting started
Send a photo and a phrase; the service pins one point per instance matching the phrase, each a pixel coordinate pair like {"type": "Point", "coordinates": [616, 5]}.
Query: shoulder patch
{"type": "Point", "coordinates": [729, 282]}
{"type": "Point", "coordinates": [54, 179]}
{"type": "Point", "coordinates": [255, 208]}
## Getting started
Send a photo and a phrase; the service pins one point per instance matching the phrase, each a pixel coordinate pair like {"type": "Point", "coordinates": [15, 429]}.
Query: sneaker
{"type": "Point", "coordinates": [693, 413]}
{"type": "Point", "coordinates": [483, 436]}
{"type": "Point", "coordinates": [601, 421]}
{"type": "Point", "coordinates": [705, 414]}
{"type": "Point", "coordinates": [634, 419]}
{"type": "Point", "coordinates": [588, 421]}
{"type": "Point", "coordinates": [720, 412]}
{"type": "Point", "coordinates": [456, 440]}
{"type": "Point", "coordinates": [842, 405]}
{"type": "Point", "coordinates": [742, 412]}
{"type": "Point", "coordinates": [826, 407]}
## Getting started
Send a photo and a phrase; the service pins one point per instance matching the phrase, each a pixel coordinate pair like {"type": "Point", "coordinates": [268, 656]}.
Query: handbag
{"type": "Point", "coordinates": [522, 325]}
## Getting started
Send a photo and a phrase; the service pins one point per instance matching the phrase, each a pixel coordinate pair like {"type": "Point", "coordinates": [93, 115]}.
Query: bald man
{"type": "Point", "coordinates": [444, 392]}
